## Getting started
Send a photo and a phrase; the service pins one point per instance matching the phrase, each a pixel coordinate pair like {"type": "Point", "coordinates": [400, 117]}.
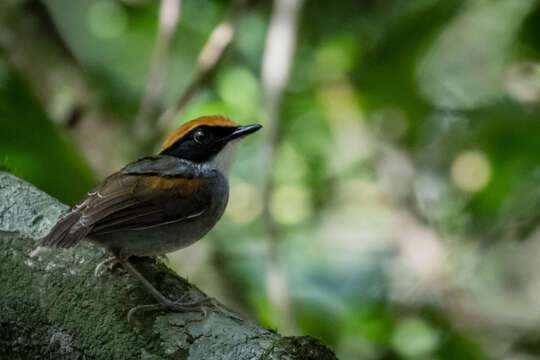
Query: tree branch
{"type": "Point", "coordinates": [52, 305]}
{"type": "Point", "coordinates": [169, 14]}
{"type": "Point", "coordinates": [276, 69]}
{"type": "Point", "coordinates": [210, 55]}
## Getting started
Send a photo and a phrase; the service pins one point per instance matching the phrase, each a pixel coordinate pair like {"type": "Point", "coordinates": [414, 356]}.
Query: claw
{"type": "Point", "coordinates": [163, 302]}
{"type": "Point", "coordinates": [109, 263]}
{"type": "Point", "coordinates": [224, 310]}
{"type": "Point", "coordinates": [183, 307]}
{"type": "Point", "coordinates": [141, 307]}
{"type": "Point", "coordinates": [179, 301]}
{"type": "Point", "coordinates": [173, 306]}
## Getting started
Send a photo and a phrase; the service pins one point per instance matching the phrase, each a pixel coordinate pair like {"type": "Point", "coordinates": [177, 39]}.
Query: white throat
{"type": "Point", "coordinates": [224, 159]}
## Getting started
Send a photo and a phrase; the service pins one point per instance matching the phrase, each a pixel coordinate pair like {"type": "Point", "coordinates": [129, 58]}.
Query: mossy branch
{"type": "Point", "coordinates": [52, 305]}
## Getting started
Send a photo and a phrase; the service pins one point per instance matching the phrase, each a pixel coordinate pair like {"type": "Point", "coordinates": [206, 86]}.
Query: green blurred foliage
{"type": "Point", "coordinates": [32, 147]}
{"type": "Point", "coordinates": [413, 84]}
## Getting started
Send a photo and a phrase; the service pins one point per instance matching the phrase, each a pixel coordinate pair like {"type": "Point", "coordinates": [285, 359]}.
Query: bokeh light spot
{"type": "Point", "coordinates": [239, 90]}
{"type": "Point", "coordinates": [290, 204]}
{"type": "Point", "coordinates": [414, 338]}
{"type": "Point", "coordinates": [471, 171]}
{"type": "Point", "coordinates": [107, 19]}
{"type": "Point", "coordinates": [523, 81]}
{"type": "Point", "coordinates": [337, 56]}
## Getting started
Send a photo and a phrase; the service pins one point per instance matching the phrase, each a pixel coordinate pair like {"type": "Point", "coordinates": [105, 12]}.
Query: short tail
{"type": "Point", "coordinates": [67, 232]}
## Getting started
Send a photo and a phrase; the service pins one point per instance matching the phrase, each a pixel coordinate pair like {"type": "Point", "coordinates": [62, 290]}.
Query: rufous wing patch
{"type": "Point", "coordinates": [183, 186]}
{"type": "Point", "coordinates": [214, 120]}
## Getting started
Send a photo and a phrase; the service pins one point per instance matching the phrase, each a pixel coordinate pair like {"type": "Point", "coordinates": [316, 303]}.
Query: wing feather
{"type": "Point", "coordinates": [57, 236]}
{"type": "Point", "coordinates": [135, 198]}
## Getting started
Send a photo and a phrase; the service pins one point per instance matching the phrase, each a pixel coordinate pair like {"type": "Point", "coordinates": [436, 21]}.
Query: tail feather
{"type": "Point", "coordinates": [67, 232]}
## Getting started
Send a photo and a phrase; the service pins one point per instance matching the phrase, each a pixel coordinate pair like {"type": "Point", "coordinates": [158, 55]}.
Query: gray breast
{"type": "Point", "coordinates": [176, 235]}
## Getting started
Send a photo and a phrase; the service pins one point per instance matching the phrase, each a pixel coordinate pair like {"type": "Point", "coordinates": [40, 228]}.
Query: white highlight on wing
{"type": "Point", "coordinates": [156, 225]}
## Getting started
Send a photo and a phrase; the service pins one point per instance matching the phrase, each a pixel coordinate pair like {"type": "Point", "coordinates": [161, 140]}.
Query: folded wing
{"type": "Point", "coordinates": [135, 198]}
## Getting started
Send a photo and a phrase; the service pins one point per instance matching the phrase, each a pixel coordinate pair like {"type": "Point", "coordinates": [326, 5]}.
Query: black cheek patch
{"type": "Point", "coordinates": [186, 148]}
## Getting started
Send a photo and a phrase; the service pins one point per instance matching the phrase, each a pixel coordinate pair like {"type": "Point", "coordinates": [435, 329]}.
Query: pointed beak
{"type": "Point", "coordinates": [242, 131]}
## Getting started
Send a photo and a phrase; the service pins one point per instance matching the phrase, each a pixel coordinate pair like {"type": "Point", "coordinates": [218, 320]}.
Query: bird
{"type": "Point", "coordinates": [158, 204]}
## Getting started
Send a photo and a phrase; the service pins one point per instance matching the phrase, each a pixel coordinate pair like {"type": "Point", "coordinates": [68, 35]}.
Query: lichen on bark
{"type": "Point", "coordinates": [52, 305]}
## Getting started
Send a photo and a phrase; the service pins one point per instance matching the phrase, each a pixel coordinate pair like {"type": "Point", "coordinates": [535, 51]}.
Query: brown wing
{"type": "Point", "coordinates": [132, 199]}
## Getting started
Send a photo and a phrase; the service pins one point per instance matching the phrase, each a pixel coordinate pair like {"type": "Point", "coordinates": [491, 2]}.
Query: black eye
{"type": "Point", "coordinates": [200, 137]}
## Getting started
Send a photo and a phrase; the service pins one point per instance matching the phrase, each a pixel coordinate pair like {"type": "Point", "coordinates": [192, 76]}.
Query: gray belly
{"type": "Point", "coordinates": [169, 237]}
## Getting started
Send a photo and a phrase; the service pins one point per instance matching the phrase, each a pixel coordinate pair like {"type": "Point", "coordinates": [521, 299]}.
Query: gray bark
{"type": "Point", "coordinates": [52, 305]}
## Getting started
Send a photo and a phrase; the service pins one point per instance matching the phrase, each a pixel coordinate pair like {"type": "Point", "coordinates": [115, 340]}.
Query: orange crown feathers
{"type": "Point", "coordinates": [214, 120]}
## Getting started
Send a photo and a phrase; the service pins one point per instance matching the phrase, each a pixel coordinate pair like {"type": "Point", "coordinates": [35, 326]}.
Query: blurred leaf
{"type": "Point", "coordinates": [34, 148]}
{"type": "Point", "coordinates": [337, 56]}
{"type": "Point", "coordinates": [414, 338]}
{"type": "Point", "coordinates": [457, 346]}
{"type": "Point", "coordinates": [239, 90]}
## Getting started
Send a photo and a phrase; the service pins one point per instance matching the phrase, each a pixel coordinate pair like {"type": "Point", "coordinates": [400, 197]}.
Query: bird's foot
{"type": "Point", "coordinates": [178, 306]}
{"type": "Point", "coordinates": [109, 263]}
